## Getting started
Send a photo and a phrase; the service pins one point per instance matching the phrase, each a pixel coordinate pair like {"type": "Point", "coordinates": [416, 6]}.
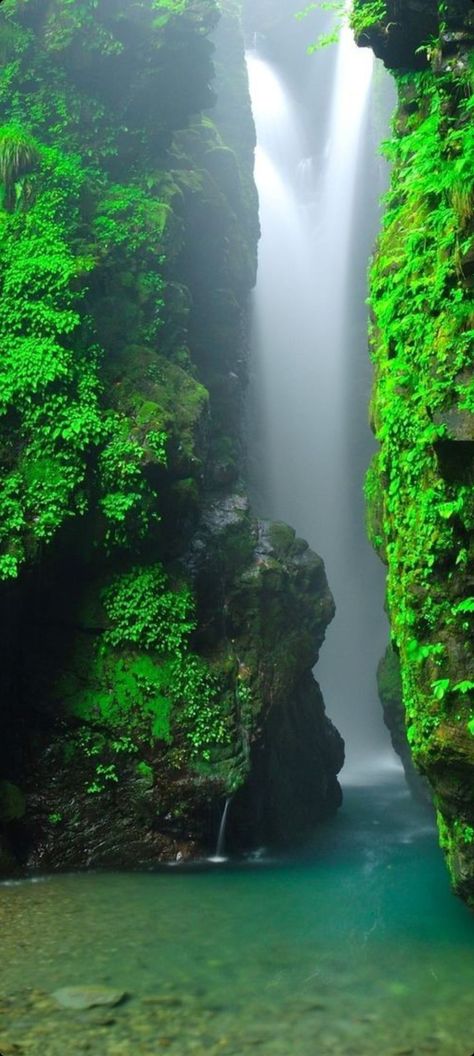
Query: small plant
{"type": "Point", "coordinates": [105, 774]}
{"type": "Point", "coordinates": [19, 154]}
{"type": "Point", "coordinates": [361, 17]}
{"type": "Point", "coordinates": [441, 687]}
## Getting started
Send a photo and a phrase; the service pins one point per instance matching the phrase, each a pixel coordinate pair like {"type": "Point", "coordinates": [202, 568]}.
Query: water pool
{"type": "Point", "coordinates": [356, 948]}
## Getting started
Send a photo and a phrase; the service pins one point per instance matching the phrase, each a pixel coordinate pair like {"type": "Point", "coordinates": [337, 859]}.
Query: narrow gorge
{"type": "Point", "coordinates": [236, 513]}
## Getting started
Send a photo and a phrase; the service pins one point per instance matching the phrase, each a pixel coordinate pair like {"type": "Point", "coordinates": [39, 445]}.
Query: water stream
{"type": "Point", "coordinates": [357, 949]}
{"type": "Point", "coordinates": [311, 380]}
{"type": "Point", "coordinates": [220, 845]}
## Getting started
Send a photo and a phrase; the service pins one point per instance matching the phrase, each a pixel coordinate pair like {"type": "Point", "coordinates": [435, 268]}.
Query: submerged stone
{"type": "Point", "coordinates": [80, 998]}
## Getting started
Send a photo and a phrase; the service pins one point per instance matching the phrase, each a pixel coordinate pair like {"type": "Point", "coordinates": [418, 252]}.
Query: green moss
{"type": "Point", "coordinates": [140, 687]}
{"type": "Point", "coordinates": [281, 536]}
{"type": "Point", "coordinates": [120, 219]}
{"type": "Point", "coordinates": [82, 264]}
{"type": "Point", "coordinates": [422, 340]}
{"type": "Point", "coordinates": [419, 488]}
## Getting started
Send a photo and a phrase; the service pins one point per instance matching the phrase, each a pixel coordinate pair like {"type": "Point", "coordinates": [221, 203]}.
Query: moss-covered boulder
{"type": "Point", "coordinates": [163, 696]}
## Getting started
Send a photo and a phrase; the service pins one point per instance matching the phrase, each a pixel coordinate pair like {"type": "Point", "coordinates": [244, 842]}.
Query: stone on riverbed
{"type": "Point", "coordinates": [80, 998]}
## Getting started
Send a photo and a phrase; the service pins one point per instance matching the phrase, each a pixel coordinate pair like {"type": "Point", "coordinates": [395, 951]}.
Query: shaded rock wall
{"type": "Point", "coordinates": [158, 640]}
{"type": "Point", "coordinates": [389, 683]}
{"type": "Point", "coordinates": [420, 486]}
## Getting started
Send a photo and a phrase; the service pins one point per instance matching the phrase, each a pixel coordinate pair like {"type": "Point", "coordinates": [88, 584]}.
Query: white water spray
{"type": "Point", "coordinates": [306, 336]}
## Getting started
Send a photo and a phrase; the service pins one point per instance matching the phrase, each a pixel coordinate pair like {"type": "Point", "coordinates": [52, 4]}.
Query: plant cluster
{"type": "Point", "coordinates": [145, 685]}
{"type": "Point", "coordinates": [361, 16]}
{"type": "Point", "coordinates": [101, 412]}
{"type": "Point", "coordinates": [49, 387]}
{"type": "Point", "coordinates": [76, 247]}
{"type": "Point", "coordinates": [419, 489]}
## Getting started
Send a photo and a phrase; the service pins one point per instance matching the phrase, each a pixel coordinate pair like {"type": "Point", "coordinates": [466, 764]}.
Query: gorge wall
{"type": "Point", "coordinates": [420, 485]}
{"type": "Point", "coordinates": [157, 639]}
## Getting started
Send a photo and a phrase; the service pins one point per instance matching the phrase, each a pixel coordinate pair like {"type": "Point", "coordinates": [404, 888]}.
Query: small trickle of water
{"type": "Point", "coordinates": [219, 856]}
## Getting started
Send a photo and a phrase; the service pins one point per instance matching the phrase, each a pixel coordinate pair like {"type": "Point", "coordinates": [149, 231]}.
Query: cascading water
{"type": "Point", "coordinates": [219, 856]}
{"type": "Point", "coordinates": [310, 385]}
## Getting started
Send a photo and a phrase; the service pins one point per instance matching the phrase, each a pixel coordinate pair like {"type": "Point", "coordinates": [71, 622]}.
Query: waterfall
{"type": "Point", "coordinates": [309, 439]}
{"type": "Point", "coordinates": [219, 856]}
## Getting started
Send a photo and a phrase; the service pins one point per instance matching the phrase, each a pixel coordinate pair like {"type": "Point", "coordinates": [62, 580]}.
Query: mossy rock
{"type": "Point", "coordinates": [282, 537]}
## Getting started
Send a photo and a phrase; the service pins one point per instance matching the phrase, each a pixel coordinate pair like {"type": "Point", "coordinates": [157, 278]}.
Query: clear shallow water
{"type": "Point", "coordinates": [358, 948]}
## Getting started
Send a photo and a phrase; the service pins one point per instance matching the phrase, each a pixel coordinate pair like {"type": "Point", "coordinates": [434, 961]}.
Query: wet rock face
{"type": "Point", "coordinates": [407, 25]}
{"type": "Point", "coordinates": [276, 606]}
{"type": "Point", "coordinates": [420, 485]}
{"type": "Point", "coordinates": [390, 689]}
{"type": "Point", "coordinates": [402, 37]}
{"type": "Point", "coordinates": [157, 651]}
{"type": "Point", "coordinates": [263, 607]}
{"type": "Point", "coordinates": [293, 778]}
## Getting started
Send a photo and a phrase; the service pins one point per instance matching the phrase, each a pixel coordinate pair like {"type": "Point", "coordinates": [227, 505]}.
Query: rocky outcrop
{"type": "Point", "coordinates": [106, 786]}
{"type": "Point", "coordinates": [402, 32]}
{"type": "Point", "coordinates": [419, 487]}
{"type": "Point", "coordinates": [158, 641]}
{"type": "Point", "coordinates": [389, 683]}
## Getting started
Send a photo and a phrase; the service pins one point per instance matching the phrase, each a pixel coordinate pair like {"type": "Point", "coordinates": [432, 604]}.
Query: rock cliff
{"type": "Point", "coordinates": [420, 486]}
{"type": "Point", "coordinates": [158, 641]}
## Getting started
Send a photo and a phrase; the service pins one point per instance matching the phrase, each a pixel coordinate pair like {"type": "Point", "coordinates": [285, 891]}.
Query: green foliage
{"type": "Point", "coordinates": [128, 503]}
{"type": "Point", "coordinates": [468, 834]}
{"type": "Point", "coordinates": [464, 606]}
{"type": "Point", "coordinates": [440, 687]}
{"type": "Point", "coordinates": [54, 428]}
{"type": "Point", "coordinates": [464, 687]}
{"type": "Point", "coordinates": [361, 17]}
{"type": "Point", "coordinates": [365, 15]}
{"type": "Point", "coordinates": [199, 710]}
{"type": "Point", "coordinates": [143, 611]}
{"type": "Point", "coordinates": [144, 770]}
{"type": "Point", "coordinates": [129, 219]}
{"type": "Point", "coordinates": [144, 687]}
{"type": "Point", "coordinates": [422, 340]}
{"type": "Point", "coordinates": [325, 39]}
{"type": "Point", "coordinates": [49, 387]}
{"type": "Point", "coordinates": [82, 264]}
{"type": "Point", "coordinates": [90, 390]}
{"type": "Point", "coordinates": [18, 156]}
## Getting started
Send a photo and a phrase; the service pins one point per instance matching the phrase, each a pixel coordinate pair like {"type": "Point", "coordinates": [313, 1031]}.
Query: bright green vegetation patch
{"type": "Point", "coordinates": [420, 486]}
{"type": "Point", "coordinates": [141, 685]}
{"type": "Point", "coordinates": [84, 247]}
{"type": "Point", "coordinates": [50, 418]}
{"type": "Point", "coordinates": [122, 215]}
{"type": "Point", "coordinates": [365, 15]}
{"type": "Point", "coordinates": [58, 440]}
